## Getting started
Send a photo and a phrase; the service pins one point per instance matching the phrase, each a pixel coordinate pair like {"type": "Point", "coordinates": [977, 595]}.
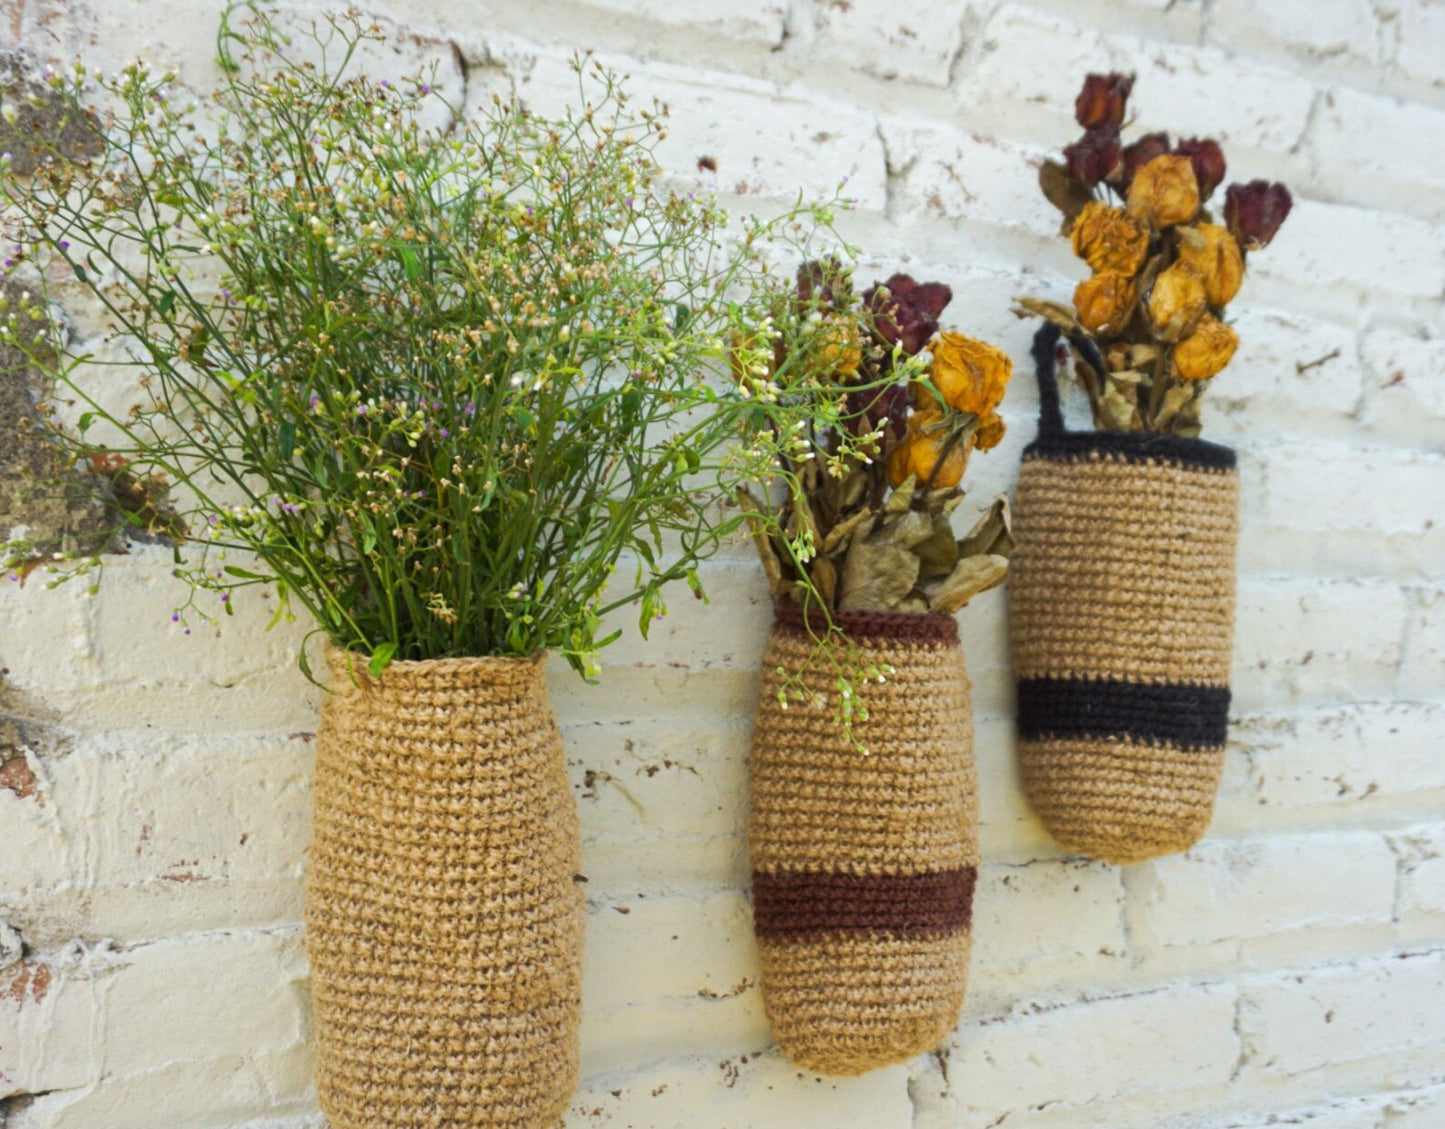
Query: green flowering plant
{"type": "Point", "coordinates": [456, 389]}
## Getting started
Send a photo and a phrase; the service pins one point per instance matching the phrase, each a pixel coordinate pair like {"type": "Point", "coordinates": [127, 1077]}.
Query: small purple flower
{"type": "Point", "coordinates": [425, 89]}
{"type": "Point", "coordinates": [226, 294]}
{"type": "Point", "coordinates": [361, 409]}
{"type": "Point", "coordinates": [175, 617]}
{"type": "Point", "coordinates": [470, 409]}
{"type": "Point", "coordinates": [446, 434]}
{"type": "Point", "coordinates": [65, 244]}
{"type": "Point", "coordinates": [225, 597]}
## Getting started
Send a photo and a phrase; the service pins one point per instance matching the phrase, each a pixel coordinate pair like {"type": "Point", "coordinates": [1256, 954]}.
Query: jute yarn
{"type": "Point", "coordinates": [863, 867]}
{"type": "Point", "coordinates": [443, 916]}
{"type": "Point", "coordinates": [1121, 620]}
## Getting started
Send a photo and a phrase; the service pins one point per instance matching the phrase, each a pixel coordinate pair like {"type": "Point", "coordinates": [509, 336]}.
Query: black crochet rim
{"type": "Point", "coordinates": [1057, 443]}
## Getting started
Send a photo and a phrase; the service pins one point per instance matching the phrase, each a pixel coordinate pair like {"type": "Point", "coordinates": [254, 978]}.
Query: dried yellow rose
{"type": "Point", "coordinates": [1110, 239]}
{"type": "Point", "coordinates": [1205, 351]}
{"type": "Point", "coordinates": [1104, 302]}
{"type": "Point", "coordinates": [1165, 192]}
{"type": "Point", "coordinates": [990, 432]}
{"type": "Point", "coordinates": [1176, 300]}
{"type": "Point", "coordinates": [920, 450]}
{"type": "Point", "coordinates": [970, 375]}
{"type": "Point", "coordinates": [1215, 254]}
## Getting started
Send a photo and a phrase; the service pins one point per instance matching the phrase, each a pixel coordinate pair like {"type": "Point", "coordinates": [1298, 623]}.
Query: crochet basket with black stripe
{"type": "Point", "coordinates": [863, 867]}
{"type": "Point", "coordinates": [1121, 620]}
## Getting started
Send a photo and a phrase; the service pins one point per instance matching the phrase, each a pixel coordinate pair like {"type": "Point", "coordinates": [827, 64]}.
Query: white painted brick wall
{"type": "Point", "coordinates": [1288, 971]}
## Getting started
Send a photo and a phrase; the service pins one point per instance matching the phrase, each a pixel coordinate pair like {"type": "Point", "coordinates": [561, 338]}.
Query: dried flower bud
{"type": "Point", "coordinates": [1096, 156]}
{"type": "Point", "coordinates": [1164, 192]}
{"type": "Point", "coordinates": [1110, 239]}
{"type": "Point", "coordinates": [1104, 302]}
{"type": "Point", "coordinates": [836, 351]}
{"type": "Point", "coordinates": [1207, 158]}
{"type": "Point", "coordinates": [906, 312]}
{"type": "Point", "coordinates": [990, 432]}
{"type": "Point", "coordinates": [1102, 100]}
{"type": "Point", "coordinates": [1140, 153]}
{"type": "Point", "coordinates": [1176, 301]}
{"type": "Point", "coordinates": [825, 281]}
{"type": "Point", "coordinates": [922, 448]}
{"type": "Point", "coordinates": [1215, 254]}
{"type": "Point", "coordinates": [1254, 211]}
{"type": "Point", "coordinates": [1205, 351]}
{"type": "Point", "coordinates": [970, 375]}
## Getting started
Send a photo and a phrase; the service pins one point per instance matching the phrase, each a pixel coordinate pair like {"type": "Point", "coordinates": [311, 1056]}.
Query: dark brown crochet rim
{"type": "Point", "coordinates": [796, 904]}
{"type": "Point", "coordinates": [910, 627]}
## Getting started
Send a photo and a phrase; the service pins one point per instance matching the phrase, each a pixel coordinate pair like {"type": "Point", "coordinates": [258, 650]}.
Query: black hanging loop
{"type": "Point", "coordinates": [1046, 342]}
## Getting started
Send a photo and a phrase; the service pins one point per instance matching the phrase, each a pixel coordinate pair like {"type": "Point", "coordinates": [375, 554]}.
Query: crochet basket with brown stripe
{"type": "Point", "coordinates": [1121, 618]}
{"type": "Point", "coordinates": [443, 918]}
{"type": "Point", "coordinates": [863, 866]}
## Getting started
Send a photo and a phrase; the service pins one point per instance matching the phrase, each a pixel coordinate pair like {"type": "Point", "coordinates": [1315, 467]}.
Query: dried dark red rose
{"type": "Point", "coordinates": [870, 408]}
{"type": "Point", "coordinates": [1095, 157]}
{"type": "Point", "coordinates": [824, 281]}
{"type": "Point", "coordinates": [1208, 160]}
{"type": "Point", "coordinates": [1253, 212]}
{"type": "Point", "coordinates": [905, 312]}
{"type": "Point", "coordinates": [1141, 152]}
{"type": "Point", "coordinates": [1102, 100]}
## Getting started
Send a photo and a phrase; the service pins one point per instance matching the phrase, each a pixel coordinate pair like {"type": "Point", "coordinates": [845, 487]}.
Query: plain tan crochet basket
{"type": "Point", "coordinates": [443, 918]}
{"type": "Point", "coordinates": [863, 867]}
{"type": "Point", "coordinates": [1121, 620]}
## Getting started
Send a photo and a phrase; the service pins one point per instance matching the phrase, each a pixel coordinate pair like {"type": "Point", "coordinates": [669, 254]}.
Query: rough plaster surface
{"type": "Point", "coordinates": [1289, 971]}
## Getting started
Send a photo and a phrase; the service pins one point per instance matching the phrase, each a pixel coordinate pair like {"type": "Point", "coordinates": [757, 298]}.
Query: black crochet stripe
{"type": "Point", "coordinates": [1182, 715]}
{"type": "Point", "coordinates": [1132, 447]}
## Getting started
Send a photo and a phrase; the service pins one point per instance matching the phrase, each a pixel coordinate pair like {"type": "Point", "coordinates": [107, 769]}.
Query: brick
{"type": "Point", "coordinates": [208, 1094]}
{"type": "Point", "coordinates": [1228, 891]}
{"type": "Point", "coordinates": [697, 995]}
{"type": "Point", "coordinates": [1376, 1010]}
{"type": "Point", "coordinates": [1314, 32]}
{"type": "Point", "coordinates": [1333, 246]}
{"type": "Point", "coordinates": [181, 856]}
{"type": "Point", "coordinates": [1366, 752]}
{"type": "Point", "coordinates": [1422, 669]}
{"type": "Point", "coordinates": [1092, 1051]}
{"type": "Point", "coordinates": [1289, 648]}
{"type": "Point", "coordinates": [749, 21]}
{"type": "Point", "coordinates": [1017, 947]}
{"type": "Point", "coordinates": [1405, 391]}
{"type": "Point", "coordinates": [1421, 850]}
{"type": "Point", "coordinates": [1417, 55]}
{"type": "Point", "coordinates": [47, 1039]}
{"type": "Point", "coordinates": [953, 174]}
{"type": "Point", "coordinates": [916, 44]}
{"type": "Point", "coordinates": [748, 1090]}
{"type": "Point", "coordinates": [1296, 372]}
{"type": "Point", "coordinates": [1387, 525]}
{"type": "Point", "coordinates": [764, 140]}
{"type": "Point", "coordinates": [1371, 149]}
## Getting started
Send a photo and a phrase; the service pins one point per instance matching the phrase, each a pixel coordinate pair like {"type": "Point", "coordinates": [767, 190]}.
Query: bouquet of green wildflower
{"type": "Point", "coordinates": [439, 383]}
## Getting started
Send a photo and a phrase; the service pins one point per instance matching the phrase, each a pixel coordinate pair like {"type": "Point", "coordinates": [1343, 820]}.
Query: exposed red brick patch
{"type": "Point", "coordinates": [16, 775]}
{"type": "Point", "coordinates": [32, 981]}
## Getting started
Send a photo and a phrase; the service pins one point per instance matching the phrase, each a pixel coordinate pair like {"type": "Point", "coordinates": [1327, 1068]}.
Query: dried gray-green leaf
{"type": "Point", "coordinates": [972, 575]}
{"type": "Point", "coordinates": [877, 576]}
{"type": "Point", "coordinates": [845, 528]}
{"type": "Point", "coordinates": [991, 534]}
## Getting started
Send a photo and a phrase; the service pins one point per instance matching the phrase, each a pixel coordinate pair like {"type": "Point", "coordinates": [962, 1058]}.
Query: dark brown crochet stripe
{"type": "Point", "coordinates": [904, 626]}
{"type": "Point", "coordinates": [806, 904]}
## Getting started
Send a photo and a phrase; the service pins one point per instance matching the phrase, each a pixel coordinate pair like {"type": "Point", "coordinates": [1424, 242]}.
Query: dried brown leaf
{"type": "Point", "coordinates": [972, 575]}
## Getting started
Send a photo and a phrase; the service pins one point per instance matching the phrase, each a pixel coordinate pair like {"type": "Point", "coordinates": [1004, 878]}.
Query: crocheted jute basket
{"type": "Point", "coordinates": [443, 919]}
{"type": "Point", "coordinates": [863, 867]}
{"type": "Point", "coordinates": [1121, 619]}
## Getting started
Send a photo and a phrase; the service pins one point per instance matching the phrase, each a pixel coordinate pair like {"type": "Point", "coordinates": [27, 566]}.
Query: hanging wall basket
{"type": "Point", "coordinates": [443, 918]}
{"type": "Point", "coordinates": [863, 867]}
{"type": "Point", "coordinates": [1121, 617]}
